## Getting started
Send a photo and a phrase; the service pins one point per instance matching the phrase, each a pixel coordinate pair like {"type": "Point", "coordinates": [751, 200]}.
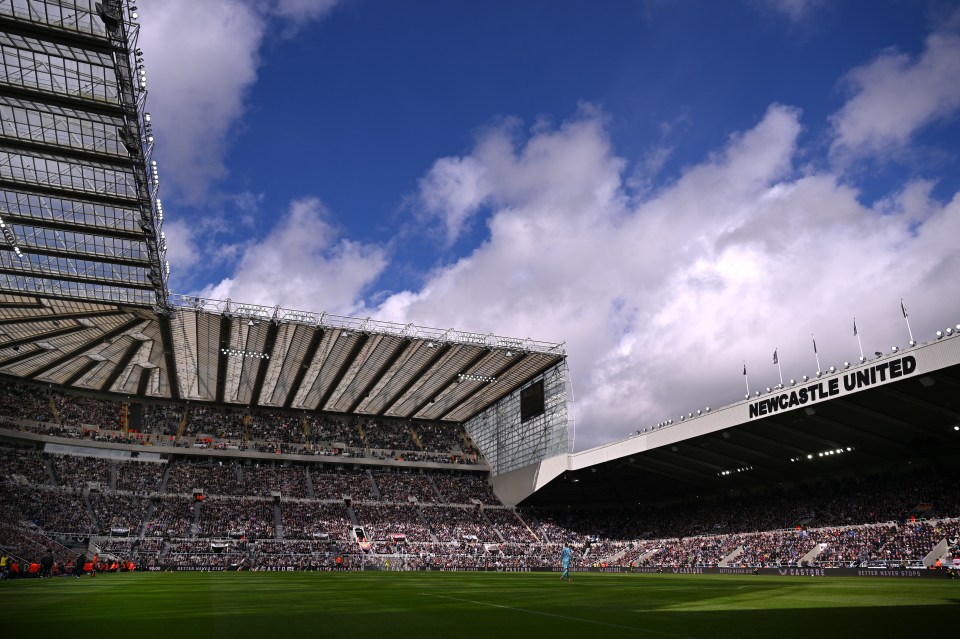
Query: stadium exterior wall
{"type": "Point", "coordinates": [515, 486]}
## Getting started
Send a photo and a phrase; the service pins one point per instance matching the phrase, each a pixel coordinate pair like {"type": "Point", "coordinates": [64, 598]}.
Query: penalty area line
{"type": "Point", "coordinates": [550, 614]}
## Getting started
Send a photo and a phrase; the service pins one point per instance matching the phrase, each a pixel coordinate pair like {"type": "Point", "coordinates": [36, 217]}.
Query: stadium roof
{"type": "Point", "coordinates": [84, 302]}
{"type": "Point", "coordinates": [878, 425]}
{"type": "Point", "coordinates": [248, 355]}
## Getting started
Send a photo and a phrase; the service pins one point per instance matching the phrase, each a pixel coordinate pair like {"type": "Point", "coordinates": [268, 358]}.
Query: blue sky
{"type": "Point", "coordinates": [671, 188]}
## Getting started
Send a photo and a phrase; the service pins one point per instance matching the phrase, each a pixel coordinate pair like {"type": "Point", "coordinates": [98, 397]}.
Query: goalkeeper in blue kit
{"type": "Point", "coordinates": [565, 556]}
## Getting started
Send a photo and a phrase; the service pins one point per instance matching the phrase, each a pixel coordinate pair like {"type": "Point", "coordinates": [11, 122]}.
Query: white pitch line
{"type": "Point", "coordinates": [550, 614]}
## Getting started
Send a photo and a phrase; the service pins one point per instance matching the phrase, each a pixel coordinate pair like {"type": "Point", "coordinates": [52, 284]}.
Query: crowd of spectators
{"type": "Point", "coordinates": [336, 485]}
{"type": "Point", "coordinates": [117, 511]}
{"type": "Point", "coordinates": [210, 478]}
{"type": "Point", "coordinates": [53, 510]}
{"type": "Point", "coordinates": [140, 477]}
{"type": "Point", "coordinates": [438, 436]}
{"type": "Point", "coordinates": [401, 486]}
{"type": "Point", "coordinates": [25, 402]}
{"type": "Point", "coordinates": [262, 481]}
{"type": "Point", "coordinates": [313, 519]}
{"type": "Point", "coordinates": [457, 489]}
{"type": "Point", "coordinates": [26, 463]}
{"type": "Point", "coordinates": [171, 517]}
{"type": "Point", "coordinates": [381, 521]}
{"type": "Point", "coordinates": [452, 523]}
{"type": "Point", "coordinates": [241, 518]}
{"type": "Point", "coordinates": [388, 434]}
{"type": "Point", "coordinates": [511, 527]}
{"type": "Point", "coordinates": [74, 471]}
{"type": "Point", "coordinates": [75, 410]}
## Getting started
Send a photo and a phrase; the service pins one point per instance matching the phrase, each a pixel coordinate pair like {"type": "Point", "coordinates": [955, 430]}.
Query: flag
{"type": "Point", "coordinates": [903, 308]}
{"type": "Point", "coordinates": [814, 344]}
{"type": "Point", "coordinates": [744, 368]}
{"type": "Point", "coordinates": [775, 360]}
{"type": "Point", "coordinates": [854, 326]}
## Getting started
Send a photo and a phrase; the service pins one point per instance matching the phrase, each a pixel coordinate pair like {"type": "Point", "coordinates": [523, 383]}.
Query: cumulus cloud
{"type": "Point", "coordinates": [303, 263]}
{"type": "Point", "coordinates": [661, 299]}
{"type": "Point", "coordinates": [202, 58]}
{"type": "Point", "coordinates": [895, 95]}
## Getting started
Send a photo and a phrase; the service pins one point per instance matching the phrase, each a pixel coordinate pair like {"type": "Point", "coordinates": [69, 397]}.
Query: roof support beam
{"type": "Point", "coordinates": [144, 382]}
{"type": "Point", "coordinates": [121, 365]}
{"type": "Point", "coordinates": [513, 389]}
{"type": "Point", "coordinates": [272, 330]}
{"type": "Point", "coordinates": [308, 356]}
{"type": "Point", "coordinates": [71, 153]}
{"type": "Point", "coordinates": [79, 255]}
{"type": "Point", "coordinates": [43, 32]}
{"type": "Point", "coordinates": [45, 190]}
{"type": "Point", "coordinates": [453, 380]}
{"type": "Point", "coordinates": [397, 353]}
{"type": "Point", "coordinates": [89, 229]}
{"type": "Point", "coordinates": [66, 101]}
{"type": "Point", "coordinates": [123, 328]}
{"type": "Point", "coordinates": [347, 363]}
{"type": "Point", "coordinates": [16, 359]}
{"type": "Point", "coordinates": [166, 336]}
{"type": "Point", "coordinates": [222, 357]}
{"type": "Point", "coordinates": [80, 372]}
{"type": "Point", "coordinates": [60, 276]}
{"type": "Point", "coordinates": [516, 359]}
{"type": "Point", "coordinates": [42, 337]}
{"type": "Point", "coordinates": [430, 363]}
{"type": "Point", "coordinates": [37, 319]}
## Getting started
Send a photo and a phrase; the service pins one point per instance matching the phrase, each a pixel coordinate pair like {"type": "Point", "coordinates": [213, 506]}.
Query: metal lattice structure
{"type": "Point", "coordinates": [78, 186]}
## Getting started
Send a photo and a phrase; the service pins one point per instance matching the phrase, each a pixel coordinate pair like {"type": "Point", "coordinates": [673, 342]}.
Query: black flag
{"type": "Point", "coordinates": [744, 368]}
{"type": "Point", "coordinates": [814, 344]}
{"type": "Point", "coordinates": [854, 326]}
{"type": "Point", "coordinates": [775, 361]}
{"type": "Point", "coordinates": [903, 308]}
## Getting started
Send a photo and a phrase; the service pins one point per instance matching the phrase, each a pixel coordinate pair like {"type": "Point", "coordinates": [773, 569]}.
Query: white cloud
{"type": "Point", "coordinates": [303, 264]}
{"type": "Point", "coordinates": [660, 302]}
{"type": "Point", "coordinates": [796, 10]}
{"type": "Point", "coordinates": [895, 95]}
{"type": "Point", "coordinates": [202, 58]}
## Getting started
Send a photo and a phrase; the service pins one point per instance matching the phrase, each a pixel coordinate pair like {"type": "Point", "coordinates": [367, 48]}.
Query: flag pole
{"type": "Point", "coordinates": [815, 354]}
{"type": "Point", "coordinates": [906, 318]}
{"type": "Point", "coordinates": [857, 335]}
{"type": "Point", "coordinates": [776, 360]}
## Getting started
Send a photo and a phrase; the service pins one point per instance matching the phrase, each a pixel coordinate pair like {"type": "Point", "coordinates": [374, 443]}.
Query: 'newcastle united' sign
{"type": "Point", "coordinates": [818, 391]}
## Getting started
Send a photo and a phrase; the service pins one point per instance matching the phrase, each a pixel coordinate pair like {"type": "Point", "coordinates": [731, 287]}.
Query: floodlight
{"type": "Point", "coordinates": [793, 382]}
{"type": "Point", "coordinates": [833, 369]}
{"type": "Point", "coordinates": [805, 378]}
{"type": "Point", "coordinates": [939, 334]}
{"type": "Point", "coordinates": [949, 331]}
{"type": "Point", "coordinates": [846, 364]}
{"type": "Point", "coordinates": [894, 349]}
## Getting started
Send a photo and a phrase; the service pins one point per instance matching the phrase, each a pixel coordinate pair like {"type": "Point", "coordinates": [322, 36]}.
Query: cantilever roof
{"type": "Point", "coordinates": [247, 355]}
{"type": "Point", "coordinates": [83, 280]}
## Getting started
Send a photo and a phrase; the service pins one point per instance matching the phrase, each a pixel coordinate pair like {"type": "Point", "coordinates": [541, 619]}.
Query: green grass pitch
{"type": "Point", "coordinates": [400, 605]}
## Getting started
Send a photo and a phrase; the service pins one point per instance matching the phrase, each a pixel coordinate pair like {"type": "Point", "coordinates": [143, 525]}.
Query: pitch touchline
{"type": "Point", "coordinates": [550, 614]}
